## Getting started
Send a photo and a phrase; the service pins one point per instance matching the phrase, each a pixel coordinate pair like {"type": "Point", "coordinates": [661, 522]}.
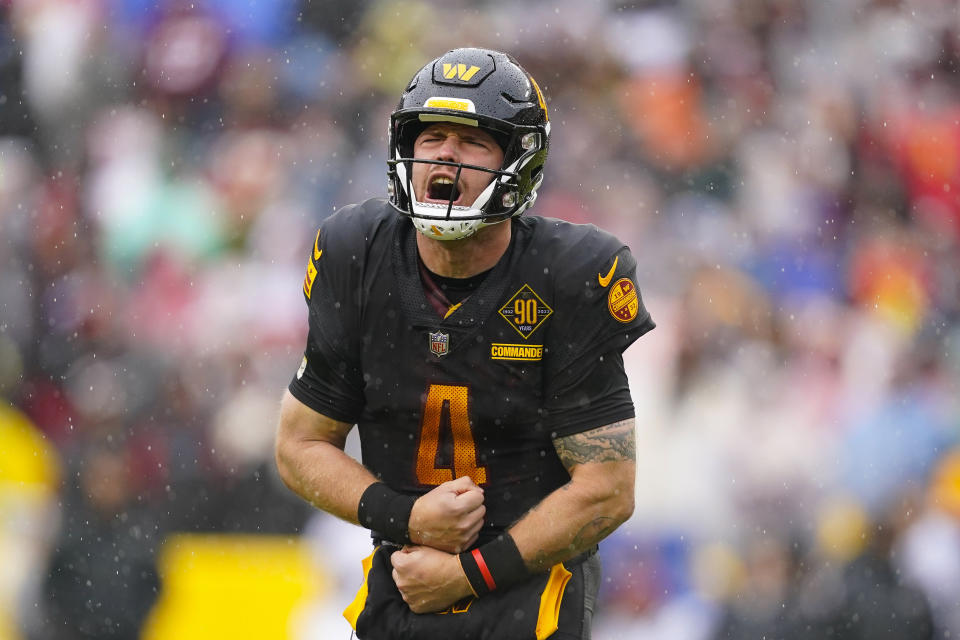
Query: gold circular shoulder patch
{"type": "Point", "coordinates": [623, 301]}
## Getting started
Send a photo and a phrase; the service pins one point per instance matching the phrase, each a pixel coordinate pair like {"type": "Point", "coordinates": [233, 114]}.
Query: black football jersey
{"type": "Point", "coordinates": [484, 390]}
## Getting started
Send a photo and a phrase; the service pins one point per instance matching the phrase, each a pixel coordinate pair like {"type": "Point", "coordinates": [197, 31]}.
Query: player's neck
{"type": "Point", "coordinates": [468, 257]}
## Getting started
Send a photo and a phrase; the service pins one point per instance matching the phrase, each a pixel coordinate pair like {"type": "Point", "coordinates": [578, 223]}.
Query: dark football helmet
{"type": "Point", "coordinates": [482, 88]}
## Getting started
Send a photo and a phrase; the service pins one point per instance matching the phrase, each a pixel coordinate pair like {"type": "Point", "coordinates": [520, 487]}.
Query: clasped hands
{"type": "Point", "coordinates": [443, 522]}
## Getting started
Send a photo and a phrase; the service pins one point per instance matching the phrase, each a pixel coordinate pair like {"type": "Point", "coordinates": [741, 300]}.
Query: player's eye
{"type": "Point", "coordinates": [477, 142]}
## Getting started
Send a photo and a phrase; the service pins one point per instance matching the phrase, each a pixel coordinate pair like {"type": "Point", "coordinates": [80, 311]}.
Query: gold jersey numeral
{"type": "Point", "coordinates": [452, 401]}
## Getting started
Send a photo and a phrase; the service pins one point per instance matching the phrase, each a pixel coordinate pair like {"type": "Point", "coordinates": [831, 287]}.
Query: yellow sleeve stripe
{"type": "Point", "coordinates": [549, 615]}
{"type": "Point", "coordinates": [353, 610]}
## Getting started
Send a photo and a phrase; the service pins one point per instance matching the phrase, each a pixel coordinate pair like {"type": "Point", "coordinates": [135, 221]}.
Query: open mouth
{"type": "Point", "coordinates": [442, 189]}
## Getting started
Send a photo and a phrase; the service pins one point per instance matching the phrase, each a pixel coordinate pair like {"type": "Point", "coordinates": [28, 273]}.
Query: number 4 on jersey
{"type": "Point", "coordinates": [451, 401]}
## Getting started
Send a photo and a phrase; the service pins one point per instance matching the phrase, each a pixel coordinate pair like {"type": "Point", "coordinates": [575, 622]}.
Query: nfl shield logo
{"type": "Point", "coordinates": [439, 343]}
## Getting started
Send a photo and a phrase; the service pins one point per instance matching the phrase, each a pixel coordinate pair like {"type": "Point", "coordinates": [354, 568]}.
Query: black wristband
{"type": "Point", "coordinates": [495, 565]}
{"type": "Point", "coordinates": [387, 512]}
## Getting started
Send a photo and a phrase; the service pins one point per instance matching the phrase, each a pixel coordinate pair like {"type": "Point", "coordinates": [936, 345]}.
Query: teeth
{"type": "Point", "coordinates": [443, 188]}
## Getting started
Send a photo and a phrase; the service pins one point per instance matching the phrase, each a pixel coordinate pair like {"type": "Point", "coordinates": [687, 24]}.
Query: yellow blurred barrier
{"type": "Point", "coordinates": [232, 586]}
{"type": "Point", "coordinates": [945, 483]}
{"type": "Point", "coordinates": [27, 460]}
{"type": "Point", "coordinates": [29, 476]}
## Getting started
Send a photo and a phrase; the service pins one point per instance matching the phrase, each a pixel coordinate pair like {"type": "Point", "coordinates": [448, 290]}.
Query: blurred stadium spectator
{"type": "Point", "coordinates": [786, 171]}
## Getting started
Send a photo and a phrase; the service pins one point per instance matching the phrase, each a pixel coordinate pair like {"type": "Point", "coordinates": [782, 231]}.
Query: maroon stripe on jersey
{"type": "Point", "coordinates": [435, 295]}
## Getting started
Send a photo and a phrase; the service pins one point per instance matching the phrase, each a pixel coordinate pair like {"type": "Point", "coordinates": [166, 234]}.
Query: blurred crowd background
{"type": "Point", "coordinates": [787, 173]}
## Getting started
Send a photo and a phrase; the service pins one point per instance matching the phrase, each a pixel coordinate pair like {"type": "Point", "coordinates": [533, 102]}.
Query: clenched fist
{"type": "Point", "coordinates": [429, 580]}
{"type": "Point", "coordinates": [449, 517]}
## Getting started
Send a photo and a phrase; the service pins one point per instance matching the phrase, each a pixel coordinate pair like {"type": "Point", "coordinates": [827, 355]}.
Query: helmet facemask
{"type": "Point", "coordinates": [512, 188]}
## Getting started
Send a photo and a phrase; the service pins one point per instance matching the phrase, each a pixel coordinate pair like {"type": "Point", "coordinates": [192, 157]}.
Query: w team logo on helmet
{"type": "Point", "coordinates": [459, 71]}
{"type": "Point", "coordinates": [481, 88]}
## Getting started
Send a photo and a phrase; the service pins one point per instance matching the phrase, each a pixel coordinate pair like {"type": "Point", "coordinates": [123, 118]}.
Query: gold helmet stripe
{"type": "Point", "coordinates": [543, 103]}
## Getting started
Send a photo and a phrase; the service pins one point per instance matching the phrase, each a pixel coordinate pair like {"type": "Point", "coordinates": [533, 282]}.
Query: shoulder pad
{"type": "Point", "coordinates": [598, 304]}
{"type": "Point", "coordinates": [589, 256]}
{"type": "Point", "coordinates": [343, 240]}
{"type": "Point", "coordinates": [359, 222]}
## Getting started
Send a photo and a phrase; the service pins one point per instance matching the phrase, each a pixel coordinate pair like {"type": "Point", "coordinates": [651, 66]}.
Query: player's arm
{"type": "Point", "coordinates": [572, 519]}
{"type": "Point", "coordinates": [597, 499]}
{"type": "Point", "coordinates": [313, 464]}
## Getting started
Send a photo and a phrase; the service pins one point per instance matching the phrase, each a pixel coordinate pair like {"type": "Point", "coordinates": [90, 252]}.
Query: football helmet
{"type": "Point", "coordinates": [481, 88]}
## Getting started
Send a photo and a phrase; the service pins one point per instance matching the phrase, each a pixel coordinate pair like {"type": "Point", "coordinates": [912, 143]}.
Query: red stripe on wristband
{"type": "Point", "coordinates": [484, 571]}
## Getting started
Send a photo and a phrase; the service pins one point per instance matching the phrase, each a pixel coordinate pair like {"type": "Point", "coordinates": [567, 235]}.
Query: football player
{"type": "Point", "coordinates": [478, 351]}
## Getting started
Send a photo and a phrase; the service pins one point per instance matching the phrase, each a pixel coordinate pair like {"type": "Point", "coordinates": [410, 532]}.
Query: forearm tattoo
{"type": "Point", "coordinates": [611, 443]}
{"type": "Point", "coordinates": [593, 532]}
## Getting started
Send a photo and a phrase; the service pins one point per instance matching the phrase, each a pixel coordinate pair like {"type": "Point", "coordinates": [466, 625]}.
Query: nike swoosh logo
{"type": "Point", "coordinates": [605, 280]}
{"type": "Point", "coordinates": [317, 252]}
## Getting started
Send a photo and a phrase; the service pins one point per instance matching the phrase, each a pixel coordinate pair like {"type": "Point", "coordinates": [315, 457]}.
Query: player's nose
{"type": "Point", "coordinates": [450, 149]}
